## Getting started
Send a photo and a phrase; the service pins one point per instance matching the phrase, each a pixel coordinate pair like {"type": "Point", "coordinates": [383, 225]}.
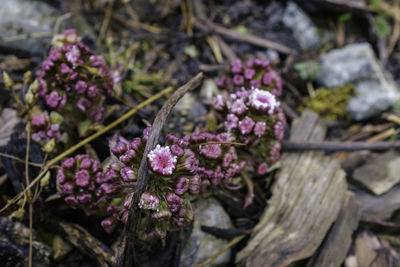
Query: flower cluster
{"type": "Point", "coordinates": [255, 73]}
{"type": "Point", "coordinates": [80, 182]}
{"type": "Point", "coordinates": [255, 118]}
{"type": "Point", "coordinates": [46, 127]}
{"type": "Point", "coordinates": [74, 82]}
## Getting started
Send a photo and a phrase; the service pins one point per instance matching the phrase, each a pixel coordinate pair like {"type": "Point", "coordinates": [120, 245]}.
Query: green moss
{"type": "Point", "coordinates": [330, 103]}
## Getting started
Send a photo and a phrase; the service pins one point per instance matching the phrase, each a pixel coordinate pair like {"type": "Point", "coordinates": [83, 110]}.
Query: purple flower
{"type": "Point", "coordinates": [128, 157]}
{"type": "Point", "coordinates": [52, 99]}
{"type": "Point", "coordinates": [174, 202]}
{"type": "Point", "coordinates": [119, 149]}
{"type": "Point", "coordinates": [260, 128]}
{"type": "Point", "coordinates": [191, 162]}
{"type": "Point", "coordinates": [109, 224]}
{"type": "Point", "coordinates": [80, 87]}
{"type": "Point", "coordinates": [69, 163]}
{"type": "Point", "coordinates": [83, 104]}
{"type": "Point", "coordinates": [211, 151]}
{"type": "Point", "coordinates": [71, 200]}
{"type": "Point", "coordinates": [246, 125]}
{"type": "Point", "coordinates": [86, 163]}
{"type": "Point", "coordinates": [40, 120]}
{"type": "Point", "coordinates": [82, 178]}
{"type": "Point", "coordinates": [236, 66]}
{"type": "Point", "coordinates": [85, 198]}
{"type": "Point", "coordinates": [262, 168]}
{"type": "Point", "coordinates": [93, 91]}
{"type": "Point", "coordinates": [136, 143]}
{"type": "Point", "coordinates": [65, 69]}
{"type": "Point", "coordinates": [195, 185]}
{"type": "Point", "coordinates": [238, 80]}
{"type": "Point", "coordinates": [149, 201]}
{"type": "Point", "coordinates": [162, 214]}
{"type": "Point", "coordinates": [238, 107]}
{"type": "Point", "coordinates": [162, 161]}
{"type": "Point", "coordinates": [249, 73]}
{"type": "Point", "coordinates": [181, 186]}
{"type": "Point", "coordinates": [263, 101]}
{"type": "Point", "coordinates": [67, 188]}
{"type": "Point", "coordinates": [61, 178]}
{"type": "Point", "coordinates": [177, 150]}
{"type": "Point", "coordinates": [255, 83]}
{"type": "Point", "coordinates": [219, 102]}
{"type": "Point", "coordinates": [231, 122]}
{"type": "Point", "coordinates": [127, 174]}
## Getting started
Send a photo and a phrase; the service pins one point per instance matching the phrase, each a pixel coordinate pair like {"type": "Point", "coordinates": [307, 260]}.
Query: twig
{"type": "Point", "coordinates": [125, 255]}
{"type": "Point", "coordinates": [339, 146]}
{"type": "Point", "coordinates": [20, 160]}
{"type": "Point", "coordinates": [25, 36]}
{"type": "Point", "coordinates": [248, 38]}
{"type": "Point", "coordinates": [84, 142]}
{"type": "Point", "coordinates": [29, 193]}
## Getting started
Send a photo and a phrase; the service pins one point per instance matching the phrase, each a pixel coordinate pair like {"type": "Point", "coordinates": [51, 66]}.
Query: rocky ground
{"type": "Point", "coordinates": [332, 199]}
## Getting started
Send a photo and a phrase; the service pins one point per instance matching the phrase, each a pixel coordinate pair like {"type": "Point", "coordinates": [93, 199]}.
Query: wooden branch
{"type": "Point", "coordinates": [306, 199]}
{"type": "Point", "coordinates": [85, 242]}
{"type": "Point", "coordinates": [126, 256]}
{"type": "Point", "coordinates": [206, 25]}
{"type": "Point", "coordinates": [338, 146]}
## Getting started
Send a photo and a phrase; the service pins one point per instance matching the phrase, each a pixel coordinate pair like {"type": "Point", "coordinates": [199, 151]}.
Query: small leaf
{"type": "Point", "coordinates": [383, 27]}
{"type": "Point", "coordinates": [344, 17]}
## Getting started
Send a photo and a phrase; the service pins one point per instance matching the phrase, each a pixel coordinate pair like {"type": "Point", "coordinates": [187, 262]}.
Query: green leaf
{"type": "Point", "coordinates": [84, 127]}
{"type": "Point", "coordinates": [308, 70]}
{"type": "Point", "coordinates": [344, 17]}
{"type": "Point", "coordinates": [396, 106]}
{"type": "Point", "coordinates": [383, 27]}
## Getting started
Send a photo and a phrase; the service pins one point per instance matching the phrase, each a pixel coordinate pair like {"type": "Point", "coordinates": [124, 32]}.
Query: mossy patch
{"type": "Point", "coordinates": [330, 103]}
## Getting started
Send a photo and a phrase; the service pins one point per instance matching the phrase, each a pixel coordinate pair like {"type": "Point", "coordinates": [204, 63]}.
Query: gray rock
{"type": "Point", "coordinates": [376, 90]}
{"type": "Point", "coordinates": [381, 173]}
{"type": "Point", "coordinates": [201, 246]}
{"type": "Point", "coordinates": [304, 30]}
{"type": "Point", "coordinates": [26, 17]}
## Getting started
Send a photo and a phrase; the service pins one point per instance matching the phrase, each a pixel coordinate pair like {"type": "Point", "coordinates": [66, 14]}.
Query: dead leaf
{"type": "Point", "coordinates": [8, 120]}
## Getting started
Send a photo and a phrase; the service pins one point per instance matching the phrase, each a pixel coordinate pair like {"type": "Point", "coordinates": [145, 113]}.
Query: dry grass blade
{"type": "Point", "coordinates": [125, 256]}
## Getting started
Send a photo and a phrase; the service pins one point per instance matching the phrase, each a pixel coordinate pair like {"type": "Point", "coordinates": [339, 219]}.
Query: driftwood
{"type": "Point", "coordinates": [306, 200]}
{"type": "Point", "coordinates": [333, 250]}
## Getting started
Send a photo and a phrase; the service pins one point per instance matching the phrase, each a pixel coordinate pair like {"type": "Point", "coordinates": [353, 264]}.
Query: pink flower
{"type": "Point", "coordinates": [181, 186]}
{"type": "Point", "coordinates": [52, 99]}
{"type": "Point", "coordinates": [246, 125]}
{"type": "Point", "coordinates": [177, 150]}
{"type": "Point", "coordinates": [191, 162]}
{"type": "Point", "coordinates": [279, 131]}
{"type": "Point", "coordinates": [128, 157]}
{"type": "Point", "coordinates": [236, 66]}
{"type": "Point", "coordinates": [85, 198]}
{"type": "Point", "coordinates": [211, 151]}
{"type": "Point", "coordinates": [249, 73]}
{"type": "Point", "coordinates": [262, 168]}
{"type": "Point", "coordinates": [219, 102]}
{"type": "Point", "coordinates": [65, 69]}
{"type": "Point", "coordinates": [80, 87]}
{"type": "Point", "coordinates": [71, 200]}
{"type": "Point", "coordinates": [92, 91]}
{"type": "Point", "coordinates": [195, 185]}
{"type": "Point", "coordinates": [149, 201]}
{"type": "Point", "coordinates": [221, 82]}
{"type": "Point", "coordinates": [127, 174]}
{"type": "Point", "coordinates": [263, 101]}
{"type": "Point", "coordinates": [174, 202]}
{"type": "Point", "coordinates": [231, 122]}
{"type": "Point", "coordinates": [83, 104]}
{"type": "Point", "coordinates": [255, 83]}
{"type": "Point", "coordinates": [260, 128]}
{"type": "Point", "coordinates": [69, 163]}
{"type": "Point", "coordinates": [40, 120]}
{"type": "Point", "coordinates": [162, 161]}
{"type": "Point", "coordinates": [238, 107]}
{"type": "Point", "coordinates": [82, 178]}
{"type": "Point", "coordinates": [238, 80]}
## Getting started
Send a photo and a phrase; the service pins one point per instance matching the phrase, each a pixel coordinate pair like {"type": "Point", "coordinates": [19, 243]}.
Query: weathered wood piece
{"type": "Point", "coordinates": [381, 173]}
{"type": "Point", "coordinates": [85, 242]}
{"type": "Point", "coordinates": [334, 249]}
{"type": "Point", "coordinates": [306, 199]}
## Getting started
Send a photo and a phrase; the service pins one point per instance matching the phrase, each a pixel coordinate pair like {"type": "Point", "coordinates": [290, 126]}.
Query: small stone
{"type": "Point", "coordinates": [304, 30]}
{"type": "Point", "coordinates": [201, 246]}
{"type": "Point", "coordinates": [376, 90]}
